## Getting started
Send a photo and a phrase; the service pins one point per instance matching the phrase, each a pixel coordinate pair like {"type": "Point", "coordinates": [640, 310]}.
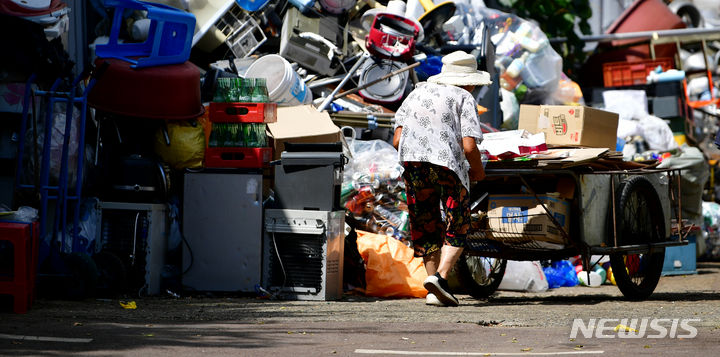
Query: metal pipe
{"type": "Point", "coordinates": [641, 35]}
{"type": "Point", "coordinates": [347, 113]}
{"type": "Point", "coordinates": [350, 73]}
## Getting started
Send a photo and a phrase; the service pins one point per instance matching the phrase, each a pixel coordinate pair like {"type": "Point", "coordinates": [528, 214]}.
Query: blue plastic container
{"type": "Point", "coordinates": [169, 37]}
{"type": "Point", "coordinates": [305, 6]}
{"type": "Point", "coordinates": [681, 260]}
{"type": "Point", "coordinates": [251, 5]}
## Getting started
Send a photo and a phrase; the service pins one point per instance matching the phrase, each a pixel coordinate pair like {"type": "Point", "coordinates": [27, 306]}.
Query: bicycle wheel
{"type": "Point", "coordinates": [639, 220]}
{"type": "Point", "coordinates": [480, 276]}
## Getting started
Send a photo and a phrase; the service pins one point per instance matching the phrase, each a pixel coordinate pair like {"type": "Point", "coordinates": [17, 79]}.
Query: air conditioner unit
{"type": "Point", "coordinates": [303, 253]}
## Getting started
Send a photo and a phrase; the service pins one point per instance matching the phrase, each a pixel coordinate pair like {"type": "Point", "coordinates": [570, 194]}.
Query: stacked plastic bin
{"type": "Point", "coordinates": [238, 114]}
{"type": "Point", "coordinates": [18, 274]}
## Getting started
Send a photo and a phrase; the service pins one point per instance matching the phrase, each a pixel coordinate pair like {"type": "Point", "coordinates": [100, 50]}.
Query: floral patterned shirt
{"type": "Point", "coordinates": [435, 118]}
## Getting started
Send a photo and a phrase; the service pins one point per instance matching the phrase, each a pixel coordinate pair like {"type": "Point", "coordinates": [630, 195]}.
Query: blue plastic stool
{"type": "Point", "coordinates": [251, 5]}
{"type": "Point", "coordinates": [169, 37]}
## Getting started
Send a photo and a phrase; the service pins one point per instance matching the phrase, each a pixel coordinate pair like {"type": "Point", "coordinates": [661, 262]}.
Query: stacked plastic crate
{"type": "Point", "coordinates": [238, 114]}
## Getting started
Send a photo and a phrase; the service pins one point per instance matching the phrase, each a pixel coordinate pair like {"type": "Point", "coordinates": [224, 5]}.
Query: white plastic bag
{"type": "Point", "coordinates": [628, 104]}
{"type": "Point", "coordinates": [657, 134]}
{"type": "Point", "coordinates": [524, 276]}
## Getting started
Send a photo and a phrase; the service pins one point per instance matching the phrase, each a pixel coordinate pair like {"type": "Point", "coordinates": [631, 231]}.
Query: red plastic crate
{"type": "Point", "coordinates": [243, 112]}
{"type": "Point", "coordinates": [618, 74]}
{"type": "Point", "coordinates": [237, 157]}
{"type": "Point", "coordinates": [21, 283]}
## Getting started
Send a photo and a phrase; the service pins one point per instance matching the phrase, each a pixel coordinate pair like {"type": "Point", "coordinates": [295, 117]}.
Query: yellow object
{"type": "Point", "coordinates": [481, 110]}
{"type": "Point", "coordinates": [129, 305]}
{"type": "Point", "coordinates": [187, 144]}
{"type": "Point", "coordinates": [680, 139]}
{"type": "Point", "coordinates": [624, 328]}
{"type": "Point", "coordinates": [390, 268]}
{"type": "Point", "coordinates": [611, 276]}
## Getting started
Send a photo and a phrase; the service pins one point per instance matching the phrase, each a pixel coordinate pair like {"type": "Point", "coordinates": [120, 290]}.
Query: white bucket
{"type": "Point", "coordinates": [284, 85]}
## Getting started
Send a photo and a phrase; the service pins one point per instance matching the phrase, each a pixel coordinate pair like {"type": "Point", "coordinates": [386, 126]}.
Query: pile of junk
{"type": "Point", "coordinates": [352, 62]}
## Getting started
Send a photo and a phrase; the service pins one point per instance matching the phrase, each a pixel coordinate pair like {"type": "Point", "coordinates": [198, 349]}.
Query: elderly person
{"type": "Point", "coordinates": [437, 128]}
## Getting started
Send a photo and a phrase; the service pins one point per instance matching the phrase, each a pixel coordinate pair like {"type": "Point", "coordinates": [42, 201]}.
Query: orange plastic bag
{"type": "Point", "coordinates": [391, 270]}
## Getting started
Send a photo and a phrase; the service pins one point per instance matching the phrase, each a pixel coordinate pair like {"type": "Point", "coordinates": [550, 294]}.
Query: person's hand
{"type": "Point", "coordinates": [477, 174]}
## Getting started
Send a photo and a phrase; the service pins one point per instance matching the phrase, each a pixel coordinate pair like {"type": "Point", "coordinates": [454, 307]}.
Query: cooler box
{"type": "Point", "coordinates": [682, 259]}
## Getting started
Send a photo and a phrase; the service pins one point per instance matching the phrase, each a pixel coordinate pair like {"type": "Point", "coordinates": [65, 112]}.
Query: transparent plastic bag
{"type": "Point", "coordinates": [523, 55]}
{"type": "Point", "coordinates": [373, 162]}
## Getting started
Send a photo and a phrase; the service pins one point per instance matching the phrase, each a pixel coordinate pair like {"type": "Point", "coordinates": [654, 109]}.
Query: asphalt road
{"type": "Point", "coordinates": [510, 323]}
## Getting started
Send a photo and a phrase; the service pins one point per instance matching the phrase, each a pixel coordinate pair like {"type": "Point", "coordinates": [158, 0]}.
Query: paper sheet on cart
{"type": "Point", "coordinates": [513, 142]}
{"type": "Point", "coordinates": [569, 155]}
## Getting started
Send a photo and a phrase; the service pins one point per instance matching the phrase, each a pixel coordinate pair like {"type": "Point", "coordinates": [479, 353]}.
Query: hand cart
{"type": "Point", "coordinates": [629, 215]}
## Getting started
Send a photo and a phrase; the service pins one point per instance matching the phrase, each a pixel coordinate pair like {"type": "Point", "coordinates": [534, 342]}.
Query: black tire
{"type": "Point", "coordinates": [81, 278]}
{"type": "Point", "coordinates": [479, 281]}
{"type": "Point", "coordinates": [112, 274]}
{"type": "Point", "coordinates": [639, 220]}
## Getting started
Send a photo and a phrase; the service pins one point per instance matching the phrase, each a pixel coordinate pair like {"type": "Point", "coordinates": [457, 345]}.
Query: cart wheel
{"type": "Point", "coordinates": [639, 221]}
{"type": "Point", "coordinates": [480, 276]}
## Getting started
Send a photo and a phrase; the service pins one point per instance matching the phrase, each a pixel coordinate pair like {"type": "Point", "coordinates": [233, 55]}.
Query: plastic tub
{"type": "Point", "coordinates": [284, 85]}
{"type": "Point", "coordinates": [170, 92]}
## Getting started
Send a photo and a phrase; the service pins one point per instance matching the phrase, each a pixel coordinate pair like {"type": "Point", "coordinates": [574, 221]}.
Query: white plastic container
{"type": "Point", "coordinates": [285, 87]}
{"type": "Point", "coordinates": [523, 276]}
{"type": "Point", "coordinates": [592, 279]}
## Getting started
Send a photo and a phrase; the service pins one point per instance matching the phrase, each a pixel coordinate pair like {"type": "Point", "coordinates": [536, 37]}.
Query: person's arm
{"type": "Point", "coordinates": [472, 154]}
{"type": "Point", "coordinates": [396, 138]}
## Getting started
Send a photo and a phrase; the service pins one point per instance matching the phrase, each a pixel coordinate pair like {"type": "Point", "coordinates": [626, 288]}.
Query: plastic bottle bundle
{"type": "Point", "coordinates": [241, 90]}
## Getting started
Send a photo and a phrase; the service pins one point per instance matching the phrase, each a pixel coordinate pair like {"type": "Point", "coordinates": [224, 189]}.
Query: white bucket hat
{"type": "Point", "coordinates": [460, 69]}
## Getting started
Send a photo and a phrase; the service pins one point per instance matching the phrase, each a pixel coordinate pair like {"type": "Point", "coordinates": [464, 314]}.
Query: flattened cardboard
{"type": "Point", "coordinates": [301, 124]}
{"type": "Point", "coordinates": [571, 125]}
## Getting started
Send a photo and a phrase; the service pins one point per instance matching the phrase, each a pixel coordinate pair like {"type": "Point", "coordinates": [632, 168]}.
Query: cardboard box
{"type": "Point", "coordinates": [571, 125]}
{"type": "Point", "coordinates": [301, 124]}
{"type": "Point", "coordinates": [520, 218]}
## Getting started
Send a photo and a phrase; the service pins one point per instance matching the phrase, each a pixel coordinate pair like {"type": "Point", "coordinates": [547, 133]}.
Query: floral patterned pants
{"type": "Point", "coordinates": [428, 187]}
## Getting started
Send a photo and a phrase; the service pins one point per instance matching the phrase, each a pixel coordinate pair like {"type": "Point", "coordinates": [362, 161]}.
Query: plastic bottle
{"type": "Point", "coordinates": [358, 203]}
{"type": "Point", "coordinates": [517, 65]}
{"type": "Point", "coordinates": [259, 91]}
{"type": "Point", "coordinates": [511, 77]}
{"type": "Point", "coordinates": [244, 89]}
{"type": "Point", "coordinates": [396, 219]}
{"type": "Point", "coordinates": [222, 90]}
{"type": "Point", "coordinates": [214, 134]}
{"type": "Point", "coordinates": [531, 45]}
{"type": "Point", "coordinates": [524, 29]}
{"type": "Point", "coordinates": [231, 135]}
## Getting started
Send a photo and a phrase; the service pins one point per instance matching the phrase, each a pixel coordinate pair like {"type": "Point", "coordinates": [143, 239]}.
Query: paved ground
{"type": "Point", "coordinates": [510, 323]}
